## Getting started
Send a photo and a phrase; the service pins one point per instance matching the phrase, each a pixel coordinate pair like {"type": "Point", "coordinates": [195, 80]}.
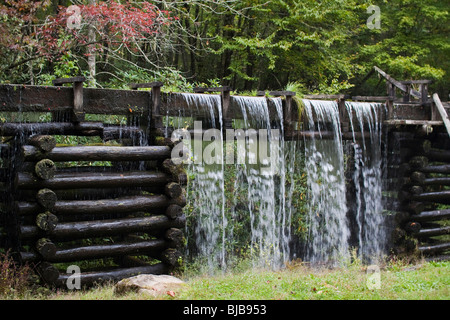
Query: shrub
{"type": "Point", "coordinates": [14, 278]}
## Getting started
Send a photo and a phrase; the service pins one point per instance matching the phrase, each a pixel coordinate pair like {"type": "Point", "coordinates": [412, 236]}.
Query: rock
{"type": "Point", "coordinates": [149, 284]}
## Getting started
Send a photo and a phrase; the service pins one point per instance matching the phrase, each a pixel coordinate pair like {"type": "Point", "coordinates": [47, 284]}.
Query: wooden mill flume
{"type": "Point", "coordinates": [375, 172]}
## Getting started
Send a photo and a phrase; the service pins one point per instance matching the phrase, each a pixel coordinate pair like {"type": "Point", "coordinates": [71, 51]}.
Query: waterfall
{"type": "Point", "coordinates": [367, 178]}
{"type": "Point", "coordinates": [248, 203]}
{"type": "Point", "coordinates": [329, 223]}
{"type": "Point", "coordinates": [328, 229]}
{"type": "Point", "coordinates": [266, 192]}
{"type": "Point", "coordinates": [207, 195]}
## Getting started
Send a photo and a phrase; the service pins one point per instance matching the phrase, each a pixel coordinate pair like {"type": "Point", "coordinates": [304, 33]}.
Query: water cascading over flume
{"type": "Point", "coordinates": [206, 190]}
{"type": "Point", "coordinates": [264, 182]}
{"type": "Point", "coordinates": [368, 179]}
{"type": "Point", "coordinates": [257, 185]}
{"type": "Point", "coordinates": [249, 202]}
{"type": "Point", "coordinates": [328, 229]}
{"type": "Point", "coordinates": [332, 220]}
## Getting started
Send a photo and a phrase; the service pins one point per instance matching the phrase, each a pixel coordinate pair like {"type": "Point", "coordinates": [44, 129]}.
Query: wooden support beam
{"type": "Point", "coordinates": [431, 215]}
{"type": "Point", "coordinates": [44, 143]}
{"type": "Point", "coordinates": [88, 279]}
{"type": "Point", "coordinates": [215, 89]}
{"type": "Point", "coordinates": [225, 96]}
{"type": "Point", "coordinates": [52, 128]}
{"type": "Point", "coordinates": [300, 135]}
{"type": "Point", "coordinates": [99, 228]}
{"type": "Point", "coordinates": [22, 98]}
{"type": "Point", "coordinates": [136, 86]}
{"type": "Point", "coordinates": [45, 169]}
{"type": "Point", "coordinates": [435, 248]}
{"type": "Point", "coordinates": [94, 180]}
{"type": "Point", "coordinates": [442, 112]}
{"type": "Point", "coordinates": [99, 153]}
{"type": "Point", "coordinates": [128, 204]}
{"type": "Point", "coordinates": [433, 232]}
{"type": "Point", "coordinates": [439, 155]}
{"type": "Point", "coordinates": [372, 98]}
{"type": "Point", "coordinates": [288, 107]}
{"type": "Point", "coordinates": [174, 211]}
{"type": "Point", "coordinates": [120, 205]}
{"type": "Point", "coordinates": [46, 198]}
{"type": "Point", "coordinates": [77, 112]}
{"type": "Point", "coordinates": [445, 168]}
{"type": "Point", "coordinates": [150, 247]}
{"type": "Point", "coordinates": [326, 96]}
{"type": "Point", "coordinates": [398, 84]}
{"type": "Point", "coordinates": [439, 197]}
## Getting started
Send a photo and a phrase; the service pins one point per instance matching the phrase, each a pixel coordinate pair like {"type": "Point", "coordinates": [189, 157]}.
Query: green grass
{"type": "Point", "coordinates": [429, 281]}
{"type": "Point", "coordinates": [426, 281]}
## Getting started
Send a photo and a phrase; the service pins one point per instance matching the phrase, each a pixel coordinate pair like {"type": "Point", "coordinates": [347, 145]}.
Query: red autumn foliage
{"type": "Point", "coordinates": [115, 25]}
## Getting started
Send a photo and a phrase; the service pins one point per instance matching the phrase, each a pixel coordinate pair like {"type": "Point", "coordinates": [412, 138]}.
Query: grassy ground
{"type": "Point", "coordinates": [425, 281]}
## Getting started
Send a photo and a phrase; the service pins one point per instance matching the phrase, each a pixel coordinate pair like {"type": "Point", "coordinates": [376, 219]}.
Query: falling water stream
{"type": "Point", "coordinates": [367, 178]}
{"type": "Point", "coordinates": [264, 181]}
{"type": "Point", "coordinates": [260, 185]}
{"type": "Point", "coordinates": [328, 229]}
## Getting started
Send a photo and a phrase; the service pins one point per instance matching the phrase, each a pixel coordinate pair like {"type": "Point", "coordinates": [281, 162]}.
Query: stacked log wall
{"type": "Point", "coordinates": [57, 209]}
{"type": "Point", "coordinates": [419, 169]}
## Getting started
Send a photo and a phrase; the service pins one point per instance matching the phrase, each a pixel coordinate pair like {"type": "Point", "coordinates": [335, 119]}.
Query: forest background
{"type": "Point", "coordinates": [301, 45]}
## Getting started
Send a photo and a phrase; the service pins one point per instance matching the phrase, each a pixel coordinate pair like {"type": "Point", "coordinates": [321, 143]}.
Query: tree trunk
{"type": "Point", "coordinates": [91, 52]}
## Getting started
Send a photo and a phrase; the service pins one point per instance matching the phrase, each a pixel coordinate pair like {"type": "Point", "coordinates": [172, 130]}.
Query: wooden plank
{"type": "Point", "coordinates": [416, 81]}
{"type": "Point", "coordinates": [372, 98]}
{"type": "Point", "coordinates": [442, 112]}
{"type": "Point", "coordinates": [326, 96]}
{"type": "Point", "coordinates": [396, 122]}
{"type": "Point", "coordinates": [99, 153]}
{"type": "Point", "coordinates": [398, 84]}
{"type": "Point", "coordinates": [21, 98]}
{"type": "Point", "coordinates": [216, 89]}
{"type": "Point", "coordinates": [145, 85]}
{"type": "Point", "coordinates": [282, 93]}
{"type": "Point", "coordinates": [61, 81]}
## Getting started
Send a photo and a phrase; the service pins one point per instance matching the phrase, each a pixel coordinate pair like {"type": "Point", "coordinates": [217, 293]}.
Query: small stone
{"type": "Point", "coordinates": [149, 284]}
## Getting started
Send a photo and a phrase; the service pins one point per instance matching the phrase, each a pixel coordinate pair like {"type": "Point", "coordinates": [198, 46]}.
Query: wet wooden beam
{"type": "Point", "coordinates": [22, 98]}
{"type": "Point", "coordinates": [94, 180]}
{"type": "Point", "coordinates": [99, 153]}
{"type": "Point", "coordinates": [90, 278]}
{"type": "Point", "coordinates": [99, 228]}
